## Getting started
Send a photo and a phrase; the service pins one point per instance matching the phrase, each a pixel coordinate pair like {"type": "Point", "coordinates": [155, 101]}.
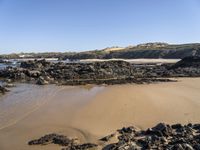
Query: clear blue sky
{"type": "Point", "coordinates": [62, 25]}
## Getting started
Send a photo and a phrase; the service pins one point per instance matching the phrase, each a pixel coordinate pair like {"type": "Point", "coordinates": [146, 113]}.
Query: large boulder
{"type": "Point", "coordinates": [192, 61]}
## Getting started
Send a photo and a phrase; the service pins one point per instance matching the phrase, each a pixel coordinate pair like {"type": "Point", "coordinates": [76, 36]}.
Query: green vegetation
{"type": "Point", "coordinates": [148, 50]}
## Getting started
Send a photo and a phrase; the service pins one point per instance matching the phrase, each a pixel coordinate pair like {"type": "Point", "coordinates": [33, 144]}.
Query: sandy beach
{"type": "Point", "coordinates": [135, 61]}
{"type": "Point", "coordinates": [90, 112]}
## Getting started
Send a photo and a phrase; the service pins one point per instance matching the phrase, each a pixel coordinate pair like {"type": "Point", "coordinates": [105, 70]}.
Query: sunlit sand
{"type": "Point", "coordinates": [90, 112]}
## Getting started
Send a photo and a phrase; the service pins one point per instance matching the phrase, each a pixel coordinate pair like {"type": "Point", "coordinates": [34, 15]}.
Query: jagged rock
{"type": "Point", "coordinates": [62, 140]}
{"type": "Point", "coordinates": [174, 137]}
{"type": "Point", "coordinates": [163, 128]}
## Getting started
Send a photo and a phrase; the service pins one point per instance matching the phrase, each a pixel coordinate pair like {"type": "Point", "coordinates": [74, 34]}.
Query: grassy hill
{"type": "Point", "coordinates": [148, 50]}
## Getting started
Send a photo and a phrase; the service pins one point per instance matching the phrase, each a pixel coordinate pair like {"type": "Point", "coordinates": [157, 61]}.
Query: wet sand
{"type": "Point", "coordinates": [136, 61]}
{"type": "Point", "coordinates": [31, 111]}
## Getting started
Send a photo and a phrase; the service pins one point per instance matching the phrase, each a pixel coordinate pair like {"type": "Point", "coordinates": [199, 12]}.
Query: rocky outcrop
{"type": "Point", "coordinates": [35, 64]}
{"type": "Point", "coordinates": [52, 138]}
{"type": "Point", "coordinates": [109, 72]}
{"type": "Point", "coordinates": [192, 61]}
{"type": "Point", "coordinates": [42, 72]}
{"type": "Point", "coordinates": [187, 67]}
{"type": "Point", "coordinates": [69, 144]}
{"type": "Point", "coordinates": [162, 136]}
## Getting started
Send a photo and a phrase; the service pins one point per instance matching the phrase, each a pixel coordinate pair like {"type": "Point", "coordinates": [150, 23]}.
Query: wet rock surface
{"type": "Point", "coordinates": [162, 136]}
{"type": "Point", "coordinates": [110, 72]}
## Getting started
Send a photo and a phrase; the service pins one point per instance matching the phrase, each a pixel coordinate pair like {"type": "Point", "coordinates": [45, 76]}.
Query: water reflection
{"type": "Point", "coordinates": [24, 99]}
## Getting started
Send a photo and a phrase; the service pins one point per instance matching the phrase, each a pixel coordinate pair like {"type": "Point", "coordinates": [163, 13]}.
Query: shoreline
{"type": "Point", "coordinates": [89, 113]}
{"type": "Point", "coordinates": [43, 72]}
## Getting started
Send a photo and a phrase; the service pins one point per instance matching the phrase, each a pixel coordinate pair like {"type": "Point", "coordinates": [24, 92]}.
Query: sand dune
{"type": "Point", "coordinates": [91, 112]}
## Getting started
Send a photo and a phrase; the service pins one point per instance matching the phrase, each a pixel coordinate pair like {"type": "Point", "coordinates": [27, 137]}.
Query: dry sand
{"type": "Point", "coordinates": [30, 111]}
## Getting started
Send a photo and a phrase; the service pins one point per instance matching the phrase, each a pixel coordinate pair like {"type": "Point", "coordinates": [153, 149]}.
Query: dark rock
{"type": "Point", "coordinates": [144, 143]}
{"type": "Point", "coordinates": [41, 81]}
{"type": "Point", "coordinates": [154, 132]}
{"type": "Point", "coordinates": [62, 140]}
{"type": "Point", "coordinates": [177, 126]}
{"type": "Point", "coordinates": [85, 146]}
{"type": "Point", "coordinates": [3, 90]}
{"type": "Point", "coordinates": [107, 138]}
{"type": "Point", "coordinates": [163, 128]}
{"type": "Point", "coordinates": [34, 64]}
{"type": "Point", "coordinates": [109, 72]}
{"type": "Point", "coordinates": [162, 136]}
{"type": "Point", "coordinates": [196, 146]}
{"type": "Point", "coordinates": [52, 138]}
{"type": "Point", "coordinates": [177, 147]}
{"type": "Point", "coordinates": [127, 130]}
{"type": "Point", "coordinates": [189, 125]}
{"type": "Point", "coordinates": [191, 61]}
{"type": "Point", "coordinates": [196, 127]}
